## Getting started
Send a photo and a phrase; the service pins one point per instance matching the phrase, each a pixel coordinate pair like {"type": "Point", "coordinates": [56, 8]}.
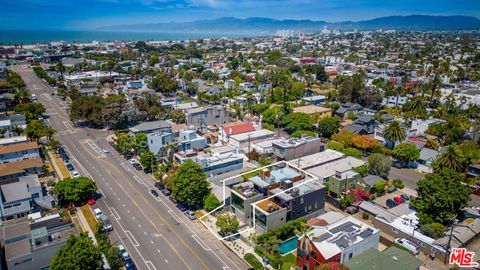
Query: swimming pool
{"type": "Point", "coordinates": [288, 245]}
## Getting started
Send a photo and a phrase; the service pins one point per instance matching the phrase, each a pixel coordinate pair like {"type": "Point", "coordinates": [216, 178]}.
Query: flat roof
{"type": "Point", "coordinates": [15, 191]}
{"type": "Point", "coordinates": [317, 159]}
{"type": "Point", "coordinates": [11, 140]}
{"type": "Point", "coordinates": [17, 249]}
{"type": "Point", "coordinates": [253, 135]}
{"type": "Point", "coordinates": [329, 169]}
{"type": "Point", "coordinates": [311, 109]}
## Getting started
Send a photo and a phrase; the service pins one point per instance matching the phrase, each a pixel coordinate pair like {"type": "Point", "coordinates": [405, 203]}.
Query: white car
{"type": "Point", "coordinates": [105, 150]}
{"type": "Point", "coordinates": [75, 174]}
{"type": "Point", "coordinates": [133, 161]}
{"type": "Point", "coordinates": [123, 252]}
{"type": "Point", "coordinates": [98, 213]}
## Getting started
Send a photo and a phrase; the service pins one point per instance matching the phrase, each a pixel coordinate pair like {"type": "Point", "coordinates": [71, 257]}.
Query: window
{"type": "Point", "coordinates": [301, 200]}
{"type": "Point", "coordinates": [350, 256]}
{"type": "Point", "coordinates": [394, 230]}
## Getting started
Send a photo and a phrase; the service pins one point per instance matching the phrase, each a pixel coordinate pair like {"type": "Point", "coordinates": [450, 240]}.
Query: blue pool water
{"type": "Point", "coordinates": [288, 245]}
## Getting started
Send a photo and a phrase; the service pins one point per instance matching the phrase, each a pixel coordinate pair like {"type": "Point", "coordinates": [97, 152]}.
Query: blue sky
{"type": "Point", "coordinates": [89, 14]}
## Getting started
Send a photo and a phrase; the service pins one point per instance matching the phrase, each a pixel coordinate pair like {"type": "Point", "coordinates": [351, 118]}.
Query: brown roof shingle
{"type": "Point", "coordinates": [19, 166]}
{"type": "Point", "coordinates": [17, 147]}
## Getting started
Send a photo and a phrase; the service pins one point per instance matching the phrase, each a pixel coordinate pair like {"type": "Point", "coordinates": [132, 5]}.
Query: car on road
{"type": "Point", "coordinates": [159, 185]}
{"type": "Point", "coordinates": [133, 161]}
{"type": "Point", "coordinates": [75, 174]}
{"type": "Point", "coordinates": [154, 192]}
{"type": "Point", "coordinates": [105, 150]}
{"type": "Point", "coordinates": [129, 264]}
{"type": "Point", "coordinates": [165, 192]}
{"type": "Point", "coordinates": [123, 252]}
{"type": "Point", "coordinates": [98, 213]}
{"type": "Point", "coordinates": [391, 203]}
{"type": "Point", "coordinates": [190, 214]}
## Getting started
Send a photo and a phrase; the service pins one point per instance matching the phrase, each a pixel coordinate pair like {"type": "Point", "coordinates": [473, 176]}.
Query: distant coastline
{"type": "Point", "coordinates": [27, 37]}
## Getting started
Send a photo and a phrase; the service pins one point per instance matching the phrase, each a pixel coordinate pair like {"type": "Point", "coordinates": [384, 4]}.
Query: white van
{"type": "Point", "coordinates": [413, 247]}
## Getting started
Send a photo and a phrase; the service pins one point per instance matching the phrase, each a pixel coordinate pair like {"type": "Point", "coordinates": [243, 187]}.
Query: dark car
{"type": "Point", "coordinates": [351, 210]}
{"type": "Point", "coordinates": [165, 192]}
{"type": "Point", "coordinates": [129, 265]}
{"type": "Point", "coordinates": [182, 207]}
{"type": "Point", "coordinates": [391, 203]}
{"type": "Point", "coordinates": [159, 185]}
{"type": "Point", "coordinates": [173, 200]}
{"type": "Point", "coordinates": [404, 197]}
{"type": "Point", "coordinates": [154, 192]}
{"type": "Point", "coordinates": [137, 166]}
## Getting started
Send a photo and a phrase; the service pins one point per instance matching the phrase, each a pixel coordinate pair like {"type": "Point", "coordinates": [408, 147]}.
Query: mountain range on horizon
{"type": "Point", "coordinates": [259, 25]}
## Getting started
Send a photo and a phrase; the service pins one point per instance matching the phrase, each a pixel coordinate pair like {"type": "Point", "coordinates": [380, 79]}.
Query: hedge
{"type": "Point", "coordinates": [252, 260]}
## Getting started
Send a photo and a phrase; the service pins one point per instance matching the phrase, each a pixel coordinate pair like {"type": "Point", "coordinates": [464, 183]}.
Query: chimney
{"type": "Point", "coordinates": [265, 174]}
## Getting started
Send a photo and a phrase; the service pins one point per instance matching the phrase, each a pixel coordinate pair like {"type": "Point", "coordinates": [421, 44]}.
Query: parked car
{"type": "Point", "coordinates": [91, 202]}
{"type": "Point", "coordinates": [190, 214]}
{"type": "Point", "coordinates": [159, 185]}
{"type": "Point", "coordinates": [165, 192]}
{"type": "Point", "coordinates": [154, 192]}
{"type": "Point", "coordinates": [123, 252]}
{"type": "Point", "coordinates": [133, 161]}
{"type": "Point", "coordinates": [129, 264]}
{"type": "Point", "coordinates": [173, 200]}
{"type": "Point", "coordinates": [69, 165]}
{"type": "Point", "coordinates": [391, 203]}
{"type": "Point", "coordinates": [398, 200]}
{"type": "Point", "coordinates": [105, 150]}
{"type": "Point", "coordinates": [413, 247]}
{"type": "Point", "coordinates": [182, 207]}
{"type": "Point", "coordinates": [75, 174]}
{"type": "Point", "coordinates": [137, 166]}
{"type": "Point", "coordinates": [107, 225]}
{"type": "Point", "coordinates": [476, 191]}
{"type": "Point", "coordinates": [391, 189]}
{"type": "Point", "coordinates": [98, 213]}
{"type": "Point", "coordinates": [404, 197]}
{"type": "Point", "coordinates": [351, 210]}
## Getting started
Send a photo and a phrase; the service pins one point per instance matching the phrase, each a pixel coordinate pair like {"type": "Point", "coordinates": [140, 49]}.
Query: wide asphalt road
{"type": "Point", "coordinates": [154, 231]}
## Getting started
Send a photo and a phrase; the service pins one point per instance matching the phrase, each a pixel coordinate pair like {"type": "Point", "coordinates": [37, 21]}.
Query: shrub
{"type": "Point", "coordinates": [335, 146]}
{"type": "Point", "coordinates": [398, 183]}
{"type": "Point", "coordinates": [362, 170]}
{"type": "Point", "coordinates": [346, 201]}
{"type": "Point", "coordinates": [252, 260]}
{"type": "Point", "coordinates": [435, 229]}
{"type": "Point", "coordinates": [380, 186]}
{"type": "Point", "coordinates": [211, 202]}
{"type": "Point", "coordinates": [365, 215]}
{"type": "Point", "coordinates": [284, 232]}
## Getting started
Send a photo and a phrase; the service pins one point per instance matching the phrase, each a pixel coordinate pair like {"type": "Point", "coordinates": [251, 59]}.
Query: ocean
{"type": "Point", "coordinates": [27, 37]}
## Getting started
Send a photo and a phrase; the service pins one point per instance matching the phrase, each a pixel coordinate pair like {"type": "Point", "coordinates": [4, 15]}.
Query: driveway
{"type": "Point", "coordinates": [408, 176]}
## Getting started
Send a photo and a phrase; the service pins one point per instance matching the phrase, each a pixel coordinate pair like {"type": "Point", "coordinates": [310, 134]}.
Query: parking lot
{"type": "Point", "coordinates": [382, 199]}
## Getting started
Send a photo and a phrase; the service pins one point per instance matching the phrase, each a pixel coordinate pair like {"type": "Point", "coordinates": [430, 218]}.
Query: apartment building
{"type": "Point", "coordinates": [297, 147]}
{"type": "Point", "coordinates": [18, 151]}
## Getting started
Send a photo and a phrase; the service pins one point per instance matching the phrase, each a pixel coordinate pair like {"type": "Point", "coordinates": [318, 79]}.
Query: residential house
{"type": "Point", "coordinates": [338, 242]}
{"type": "Point", "coordinates": [315, 100]}
{"type": "Point", "coordinates": [279, 194]}
{"type": "Point", "coordinates": [427, 156]}
{"type": "Point", "coordinates": [392, 258]}
{"type": "Point", "coordinates": [235, 128]}
{"type": "Point", "coordinates": [219, 160]}
{"type": "Point", "coordinates": [317, 112]}
{"type": "Point", "coordinates": [31, 243]}
{"type": "Point", "coordinates": [369, 182]}
{"type": "Point", "coordinates": [244, 140]}
{"type": "Point", "coordinates": [10, 172]}
{"type": "Point", "coordinates": [394, 101]}
{"type": "Point", "coordinates": [346, 108]}
{"type": "Point", "coordinates": [419, 126]}
{"type": "Point", "coordinates": [7, 102]}
{"type": "Point", "coordinates": [363, 125]}
{"type": "Point", "coordinates": [343, 182]}
{"type": "Point", "coordinates": [159, 126]}
{"type": "Point", "coordinates": [328, 169]}
{"type": "Point", "coordinates": [297, 147]}
{"type": "Point", "coordinates": [206, 116]}
{"type": "Point", "coordinates": [19, 151]}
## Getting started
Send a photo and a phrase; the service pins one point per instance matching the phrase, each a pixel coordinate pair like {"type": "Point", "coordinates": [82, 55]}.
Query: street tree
{"type": "Point", "coordinates": [379, 164]}
{"type": "Point", "coordinates": [75, 190]}
{"type": "Point", "coordinates": [406, 152]}
{"type": "Point", "coordinates": [140, 144]}
{"type": "Point", "coordinates": [328, 126]}
{"type": "Point", "coordinates": [441, 197]}
{"type": "Point", "coordinates": [35, 130]}
{"type": "Point", "coordinates": [148, 160]}
{"type": "Point", "coordinates": [125, 143]}
{"type": "Point", "coordinates": [228, 223]}
{"type": "Point", "coordinates": [31, 111]}
{"type": "Point", "coordinates": [190, 183]}
{"type": "Point", "coordinates": [78, 253]}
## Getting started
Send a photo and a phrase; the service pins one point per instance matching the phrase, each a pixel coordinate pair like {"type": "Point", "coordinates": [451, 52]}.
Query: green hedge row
{"type": "Point", "coordinates": [252, 260]}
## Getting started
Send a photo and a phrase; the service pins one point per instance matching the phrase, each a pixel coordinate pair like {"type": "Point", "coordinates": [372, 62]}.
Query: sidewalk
{"type": "Point", "coordinates": [84, 223]}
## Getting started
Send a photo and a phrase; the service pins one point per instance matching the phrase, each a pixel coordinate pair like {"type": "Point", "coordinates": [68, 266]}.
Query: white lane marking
{"type": "Point", "coordinates": [166, 261]}
{"type": "Point", "coordinates": [139, 226]}
{"type": "Point", "coordinates": [115, 213]}
{"type": "Point", "coordinates": [145, 233]}
{"type": "Point", "coordinates": [138, 180]}
{"type": "Point", "coordinates": [132, 238]}
{"type": "Point", "coordinates": [200, 242]}
{"type": "Point", "coordinates": [151, 242]}
{"type": "Point", "coordinates": [125, 166]}
{"type": "Point", "coordinates": [175, 216]}
{"type": "Point", "coordinates": [158, 250]}
{"type": "Point", "coordinates": [133, 218]}
{"type": "Point", "coordinates": [96, 148]}
{"type": "Point", "coordinates": [150, 265]}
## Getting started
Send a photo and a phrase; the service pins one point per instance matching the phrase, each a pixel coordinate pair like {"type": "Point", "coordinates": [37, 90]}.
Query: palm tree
{"type": "Point", "coordinates": [452, 158]}
{"type": "Point", "coordinates": [395, 132]}
{"type": "Point", "coordinates": [60, 68]}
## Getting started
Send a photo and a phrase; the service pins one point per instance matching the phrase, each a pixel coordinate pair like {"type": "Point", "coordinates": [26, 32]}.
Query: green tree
{"type": "Point", "coordinates": [434, 229]}
{"type": "Point", "coordinates": [125, 143]}
{"type": "Point", "coordinates": [211, 202]}
{"type": "Point", "coordinates": [346, 201]}
{"type": "Point", "coordinates": [75, 190]}
{"type": "Point", "coordinates": [328, 126]}
{"type": "Point", "coordinates": [395, 132]}
{"type": "Point", "coordinates": [154, 59]}
{"type": "Point", "coordinates": [30, 110]}
{"type": "Point", "coordinates": [35, 130]}
{"type": "Point", "coordinates": [451, 158]}
{"type": "Point", "coordinates": [148, 160]}
{"type": "Point", "coordinates": [380, 186]}
{"type": "Point", "coordinates": [300, 133]}
{"type": "Point", "coordinates": [164, 84]}
{"type": "Point", "coordinates": [228, 223]}
{"type": "Point", "coordinates": [441, 197]}
{"type": "Point", "coordinates": [379, 164]}
{"type": "Point", "coordinates": [272, 115]}
{"type": "Point", "coordinates": [297, 121]}
{"type": "Point", "coordinates": [79, 253]}
{"type": "Point", "coordinates": [190, 184]}
{"type": "Point", "coordinates": [344, 137]}
{"type": "Point", "coordinates": [140, 144]}
{"type": "Point", "coordinates": [406, 152]}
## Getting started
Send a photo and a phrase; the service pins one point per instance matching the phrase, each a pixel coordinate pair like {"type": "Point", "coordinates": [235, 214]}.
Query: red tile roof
{"type": "Point", "coordinates": [238, 128]}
